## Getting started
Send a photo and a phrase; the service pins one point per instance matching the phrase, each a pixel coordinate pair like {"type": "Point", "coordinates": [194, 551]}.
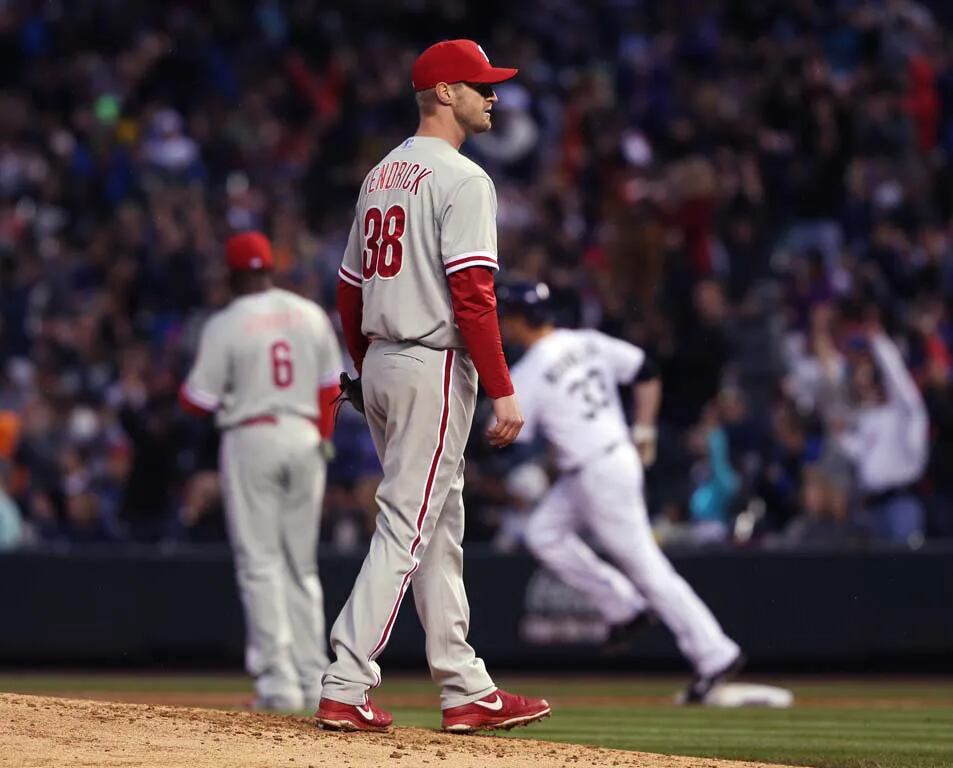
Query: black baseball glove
{"type": "Point", "coordinates": [351, 392]}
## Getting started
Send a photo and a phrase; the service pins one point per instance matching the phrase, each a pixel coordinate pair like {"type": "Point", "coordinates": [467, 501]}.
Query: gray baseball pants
{"type": "Point", "coordinates": [273, 479]}
{"type": "Point", "coordinates": [419, 404]}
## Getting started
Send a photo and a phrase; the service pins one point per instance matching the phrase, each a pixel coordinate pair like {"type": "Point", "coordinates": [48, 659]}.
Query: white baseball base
{"type": "Point", "coordinates": [729, 695]}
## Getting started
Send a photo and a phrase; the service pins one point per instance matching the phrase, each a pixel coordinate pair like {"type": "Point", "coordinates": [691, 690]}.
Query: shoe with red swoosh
{"type": "Point", "coordinates": [498, 710]}
{"type": "Point", "coordinates": [338, 716]}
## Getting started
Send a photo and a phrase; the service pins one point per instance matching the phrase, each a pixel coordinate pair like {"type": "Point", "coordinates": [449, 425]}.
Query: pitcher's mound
{"type": "Point", "coordinates": [44, 732]}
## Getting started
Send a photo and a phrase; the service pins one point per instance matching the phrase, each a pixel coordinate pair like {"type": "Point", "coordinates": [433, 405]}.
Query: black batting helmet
{"type": "Point", "coordinates": [526, 299]}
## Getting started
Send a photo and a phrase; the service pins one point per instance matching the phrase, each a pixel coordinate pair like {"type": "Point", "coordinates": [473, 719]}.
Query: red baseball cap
{"type": "Point", "coordinates": [248, 251]}
{"type": "Point", "coordinates": [456, 61]}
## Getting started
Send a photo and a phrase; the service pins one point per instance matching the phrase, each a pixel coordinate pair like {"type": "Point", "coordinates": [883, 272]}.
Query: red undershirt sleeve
{"type": "Point", "coordinates": [474, 309]}
{"type": "Point", "coordinates": [326, 397]}
{"type": "Point", "coordinates": [350, 304]}
{"type": "Point", "coordinates": [190, 406]}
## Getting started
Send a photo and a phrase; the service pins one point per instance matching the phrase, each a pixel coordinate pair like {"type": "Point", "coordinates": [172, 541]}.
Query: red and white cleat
{"type": "Point", "coordinates": [498, 710]}
{"type": "Point", "coordinates": [337, 716]}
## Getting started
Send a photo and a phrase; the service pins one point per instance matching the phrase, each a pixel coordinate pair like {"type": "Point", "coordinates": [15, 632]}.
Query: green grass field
{"type": "Point", "coordinates": [835, 723]}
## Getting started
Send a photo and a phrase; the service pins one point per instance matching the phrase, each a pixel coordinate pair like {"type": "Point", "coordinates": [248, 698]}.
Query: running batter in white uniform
{"type": "Point", "coordinates": [267, 366]}
{"type": "Point", "coordinates": [567, 382]}
{"type": "Point", "coordinates": [418, 312]}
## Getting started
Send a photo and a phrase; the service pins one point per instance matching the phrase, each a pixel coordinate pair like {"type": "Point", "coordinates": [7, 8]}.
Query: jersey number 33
{"type": "Point", "coordinates": [593, 391]}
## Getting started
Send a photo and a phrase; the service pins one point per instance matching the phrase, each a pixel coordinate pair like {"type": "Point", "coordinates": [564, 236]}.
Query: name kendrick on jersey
{"type": "Point", "coordinates": [398, 174]}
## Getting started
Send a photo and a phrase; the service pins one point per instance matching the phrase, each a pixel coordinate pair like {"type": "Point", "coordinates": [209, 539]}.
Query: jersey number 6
{"type": "Point", "coordinates": [282, 369]}
{"type": "Point", "coordinates": [384, 253]}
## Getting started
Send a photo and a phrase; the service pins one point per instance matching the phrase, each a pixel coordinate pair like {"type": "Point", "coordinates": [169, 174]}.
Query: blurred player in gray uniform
{"type": "Point", "coordinates": [267, 366]}
{"type": "Point", "coordinates": [418, 311]}
{"type": "Point", "coordinates": [567, 382]}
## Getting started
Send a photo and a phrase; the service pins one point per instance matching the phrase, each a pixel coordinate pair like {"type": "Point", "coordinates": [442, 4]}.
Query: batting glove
{"type": "Point", "coordinates": [645, 438]}
{"type": "Point", "coordinates": [327, 451]}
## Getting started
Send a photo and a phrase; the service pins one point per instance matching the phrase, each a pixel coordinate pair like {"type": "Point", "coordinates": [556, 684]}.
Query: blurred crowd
{"type": "Point", "coordinates": [761, 194]}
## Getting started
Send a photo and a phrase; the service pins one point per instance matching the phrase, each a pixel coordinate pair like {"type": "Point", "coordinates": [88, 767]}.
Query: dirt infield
{"type": "Point", "coordinates": [45, 732]}
{"type": "Point", "coordinates": [236, 700]}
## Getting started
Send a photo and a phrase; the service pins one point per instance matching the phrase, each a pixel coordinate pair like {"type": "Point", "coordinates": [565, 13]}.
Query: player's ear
{"type": "Point", "coordinates": [444, 93]}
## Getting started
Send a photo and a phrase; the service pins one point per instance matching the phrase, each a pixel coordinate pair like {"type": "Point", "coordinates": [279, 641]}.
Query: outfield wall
{"type": "Point", "coordinates": [802, 611]}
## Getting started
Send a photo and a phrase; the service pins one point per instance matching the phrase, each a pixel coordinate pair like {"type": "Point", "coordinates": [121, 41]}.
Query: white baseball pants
{"type": "Point", "coordinates": [605, 496]}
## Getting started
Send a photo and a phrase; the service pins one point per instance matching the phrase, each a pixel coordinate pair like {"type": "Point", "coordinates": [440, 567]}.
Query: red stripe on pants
{"type": "Point", "coordinates": [425, 504]}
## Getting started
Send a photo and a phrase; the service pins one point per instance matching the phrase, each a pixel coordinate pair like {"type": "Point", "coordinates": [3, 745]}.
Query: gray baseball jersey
{"type": "Point", "coordinates": [260, 364]}
{"type": "Point", "coordinates": [424, 212]}
{"type": "Point", "coordinates": [265, 353]}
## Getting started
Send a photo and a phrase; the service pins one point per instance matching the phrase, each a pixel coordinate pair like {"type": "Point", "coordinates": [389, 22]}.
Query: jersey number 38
{"type": "Point", "coordinates": [383, 249]}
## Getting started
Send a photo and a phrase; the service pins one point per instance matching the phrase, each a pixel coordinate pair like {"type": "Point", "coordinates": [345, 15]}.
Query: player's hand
{"type": "Point", "coordinates": [327, 450]}
{"type": "Point", "coordinates": [509, 421]}
{"type": "Point", "coordinates": [645, 438]}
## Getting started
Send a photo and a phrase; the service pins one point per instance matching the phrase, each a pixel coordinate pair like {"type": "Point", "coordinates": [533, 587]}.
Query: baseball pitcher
{"type": "Point", "coordinates": [267, 367]}
{"type": "Point", "coordinates": [418, 311]}
{"type": "Point", "coordinates": [568, 383]}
